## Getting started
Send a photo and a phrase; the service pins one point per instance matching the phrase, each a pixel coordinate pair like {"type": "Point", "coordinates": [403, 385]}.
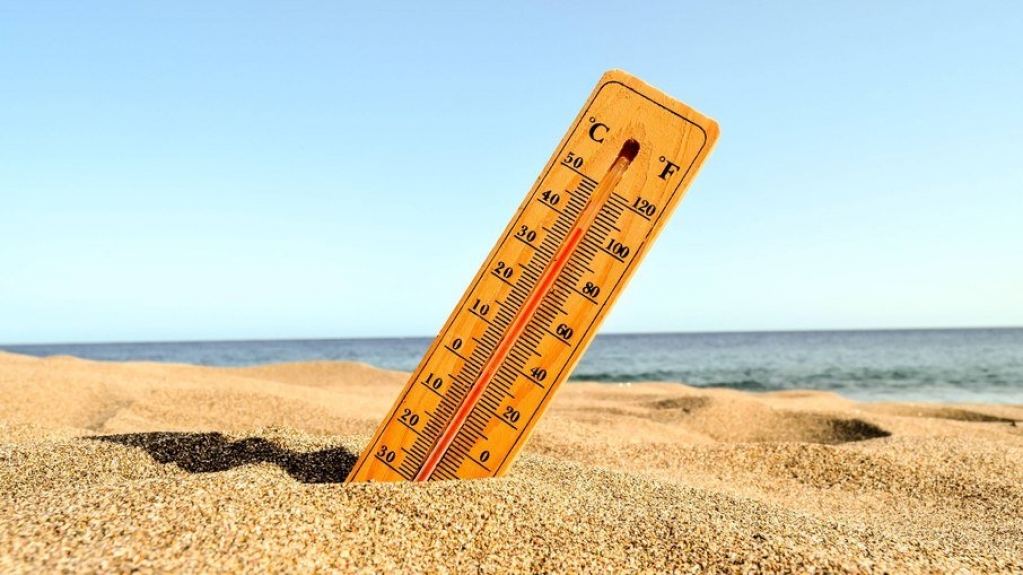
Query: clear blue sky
{"type": "Point", "coordinates": [221, 170]}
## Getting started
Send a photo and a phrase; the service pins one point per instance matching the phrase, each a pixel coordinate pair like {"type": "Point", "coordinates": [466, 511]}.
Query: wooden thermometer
{"type": "Point", "coordinates": [536, 303]}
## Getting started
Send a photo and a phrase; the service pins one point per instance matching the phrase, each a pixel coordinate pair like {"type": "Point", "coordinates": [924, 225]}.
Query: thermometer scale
{"type": "Point", "coordinates": [536, 303]}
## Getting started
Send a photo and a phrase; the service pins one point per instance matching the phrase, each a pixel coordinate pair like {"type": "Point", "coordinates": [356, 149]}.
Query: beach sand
{"type": "Point", "coordinates": [142, 467]}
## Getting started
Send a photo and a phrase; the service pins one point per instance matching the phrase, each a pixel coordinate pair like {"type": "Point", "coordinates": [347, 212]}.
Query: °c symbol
{"type": "Point", "coordinates": [597, 130]}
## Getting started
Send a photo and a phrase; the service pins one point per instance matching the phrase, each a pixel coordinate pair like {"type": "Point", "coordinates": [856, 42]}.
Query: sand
{"type": "Point", "coordinates": [141, 467]}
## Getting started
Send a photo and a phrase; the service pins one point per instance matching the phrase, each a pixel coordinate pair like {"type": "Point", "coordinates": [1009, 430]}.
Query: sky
{"type": "Point", "coordinates": [275, 170]}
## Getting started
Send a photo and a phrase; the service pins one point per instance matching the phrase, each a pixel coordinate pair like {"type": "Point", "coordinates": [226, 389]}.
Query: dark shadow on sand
{"type": "Point", "coordinates": [213, 452]}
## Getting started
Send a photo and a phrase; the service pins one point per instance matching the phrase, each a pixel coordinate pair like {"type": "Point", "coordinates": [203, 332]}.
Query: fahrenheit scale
{"type": "Point", "coordinates": [536, 303]}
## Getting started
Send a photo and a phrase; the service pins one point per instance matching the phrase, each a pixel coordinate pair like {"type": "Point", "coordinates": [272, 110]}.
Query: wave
{"type": "Point", "coordinates": [670, 376]}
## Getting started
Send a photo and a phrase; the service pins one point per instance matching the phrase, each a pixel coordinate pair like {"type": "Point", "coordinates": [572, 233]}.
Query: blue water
{"type": "Point", "coordinates": [973, 365]}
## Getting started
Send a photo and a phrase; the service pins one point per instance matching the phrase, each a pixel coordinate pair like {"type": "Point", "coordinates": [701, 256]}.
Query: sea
{"type": "Point", "coordinates": [946, 365]}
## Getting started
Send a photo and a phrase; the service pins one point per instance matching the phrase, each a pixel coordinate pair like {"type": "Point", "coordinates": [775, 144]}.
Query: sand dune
{"type": "Point", "coordinates": [153, 467]}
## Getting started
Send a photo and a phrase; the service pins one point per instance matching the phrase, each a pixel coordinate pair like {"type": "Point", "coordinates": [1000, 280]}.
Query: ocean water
{"type": "Point", "coordinates": [957, 365]}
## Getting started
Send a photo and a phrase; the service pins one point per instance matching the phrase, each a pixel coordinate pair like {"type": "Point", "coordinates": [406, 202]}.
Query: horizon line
{"type": "Point", "coordinates": [626, 333]}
